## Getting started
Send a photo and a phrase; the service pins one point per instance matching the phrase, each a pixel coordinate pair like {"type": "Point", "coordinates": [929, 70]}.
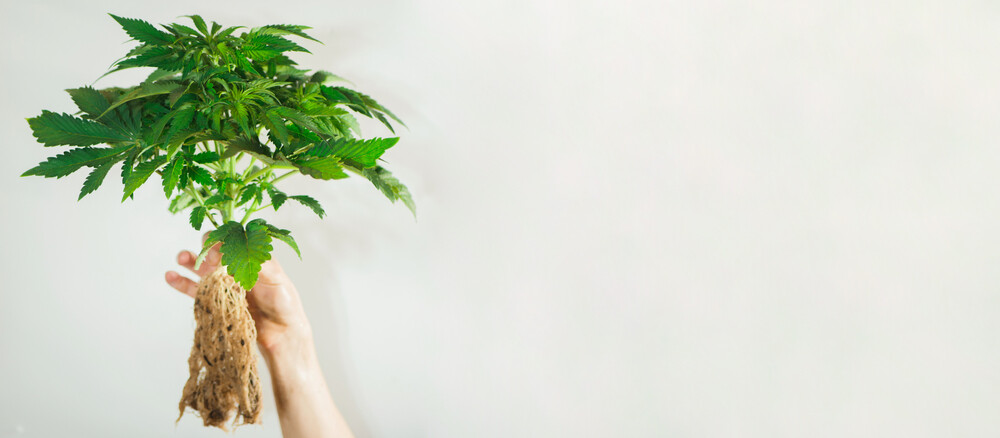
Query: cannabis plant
{"type": "Point", "coordinates": [224, 116]}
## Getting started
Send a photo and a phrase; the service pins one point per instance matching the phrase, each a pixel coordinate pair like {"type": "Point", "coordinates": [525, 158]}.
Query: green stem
{"type": "Point", "coordinates": [284, 176]}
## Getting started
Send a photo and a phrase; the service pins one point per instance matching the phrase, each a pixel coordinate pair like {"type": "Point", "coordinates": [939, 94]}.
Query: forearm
{"type": "Point", "coordinates": [305, 407]}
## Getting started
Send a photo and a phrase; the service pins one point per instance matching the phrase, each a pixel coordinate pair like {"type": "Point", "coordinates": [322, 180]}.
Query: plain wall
{"type": "Point", "coordinates": [635, 219]}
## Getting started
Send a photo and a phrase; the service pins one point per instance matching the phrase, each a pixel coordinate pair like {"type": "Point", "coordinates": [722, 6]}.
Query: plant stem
{"type": "Point", "coordinates": [284, 176]}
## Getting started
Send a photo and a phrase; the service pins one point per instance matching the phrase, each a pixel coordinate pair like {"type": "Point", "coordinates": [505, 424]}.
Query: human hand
{"type": "Point", "coordinates": [274, 303]}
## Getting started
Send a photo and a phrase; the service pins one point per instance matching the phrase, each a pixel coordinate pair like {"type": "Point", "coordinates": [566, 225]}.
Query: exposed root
{"type": "Point", "coordinates": [223, 363]}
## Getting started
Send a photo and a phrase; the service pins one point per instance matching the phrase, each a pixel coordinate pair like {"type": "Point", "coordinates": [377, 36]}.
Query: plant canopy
{"type": "Point", "coordinates": [224, 116]}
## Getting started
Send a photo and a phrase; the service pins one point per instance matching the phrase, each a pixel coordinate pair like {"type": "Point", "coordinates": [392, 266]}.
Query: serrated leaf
{"type": "Point", "coordinates": [89, 100]}
{"type": "Point", "coordinates": [54, 129]}
{"type": "Point", "coordinates": [217, 199]}
{"type": "Point", "coordinates": [95, 179]}
{"type": "Point", "coordinates": [365, 152]}
{"type": "Point", "coordinates": [215, 236]}
{"type": "Point", "coordinates": [143, 31]}
{"type": "Point", "coordinates": [296, 117]}
{"type": "Point", "coordinates": [197, 217]}
{"type": "Point", "coordinates": [285, 29]}
{"type": "Point", "coordinates": [249, 192]}
{"type": "Point", "coordinates": [390, 187]}
{"type": "Point", "coordinates": [180, 202]}
{"type": "Point", "coordinates": [310, 202]}
{"type": "Point", "coordinates": [145, 90]}
{"type": "Point", "coordinates": [205, 157]}
{"type": "Point", "coordinates": [179, 122]}
{"type": "Point", "coordinates": [199, 23]}
{"type": "Point", "coordinates": [277, 197]}
{"type": "Point", "coordinates": [322, 168]}
{"type": "Point", "coordinates": [199, 175]}
{"type": "Point", "coordinates": [140, 174]}
{"type": "Point", "coordinates": [171, 176]}
{"type": "Point", "coordinates": [284, 236]}
{"type": "Point", "coordinates": [244, 250]}
{"type": "Point", "coordinates": [72, 160]}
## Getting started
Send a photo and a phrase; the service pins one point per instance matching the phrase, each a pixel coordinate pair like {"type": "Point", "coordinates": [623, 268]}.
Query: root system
{"type": "Point", "coordinates": [223, 364]}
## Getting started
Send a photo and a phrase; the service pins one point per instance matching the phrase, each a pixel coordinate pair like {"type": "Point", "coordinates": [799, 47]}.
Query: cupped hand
{"type": "Point", "coordinates": [273, 302]}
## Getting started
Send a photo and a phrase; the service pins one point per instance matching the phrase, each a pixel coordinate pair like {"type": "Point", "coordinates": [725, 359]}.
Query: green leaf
{"type": "Point", "coordinates": [199, 175]}
{"type": "Point", "coordinates": [284, 236]}
{"type": "Point", "coordinates": [141, 173]}
{"type": "Point", "coordinates": [199, 23]}
{"type": "Point", "coordinates": [89, 100]}
{"type": "Point", "coordinates": [215, 236]}
{"type": "Point", "coordinates": [205, 157]}
{"type": "Point", "coordinates": [171, 175]}
{"type": "Point", "coordinates": [390, 187]}
{"type": "Point", "coordinates": [197, 217]}
{"type": "Point", "coordinates": [308, 201]}
{"type": "Point", "coordinates": [361, 151]}
{"type": "Point", "coordinates": [277, 197]}
{"type": "Point", "coordinates": [145, 90]}
{"type": "Point", "coordinates": [180, 202]}
{"type": "Point", "coordinates": [217, 199]}
{"type": "Point", "coordinates": [244, 250]}
{"type": "Point", "coordinates": [285, 29]}
{"type": "Point", "coordinates": [53, 129]}
{"type": "Point", "coordinates": [322, 168]}
{"type": "Point", "coordinates": [143, 31]}
{"type": "Point", "coordinates": [249, 192]}
{"type": "Point", "coordinates": [72, 160]}
{"type": "Point", "coordinates": [95, 179]}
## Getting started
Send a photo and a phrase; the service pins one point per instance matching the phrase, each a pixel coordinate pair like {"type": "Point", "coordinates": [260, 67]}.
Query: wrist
{"type": "Point", "coordinates": [293, 346]}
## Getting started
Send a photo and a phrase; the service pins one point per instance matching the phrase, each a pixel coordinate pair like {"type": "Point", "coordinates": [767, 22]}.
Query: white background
{"type": "Point", "coordinates": [636, 219]}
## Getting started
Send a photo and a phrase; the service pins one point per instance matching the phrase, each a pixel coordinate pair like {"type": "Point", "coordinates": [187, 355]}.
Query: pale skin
{"type": "Point", "coordinates": [284, 338]}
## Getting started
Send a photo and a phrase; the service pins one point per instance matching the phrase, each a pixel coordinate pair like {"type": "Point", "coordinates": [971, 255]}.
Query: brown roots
{"type": "Point", "coordinates": [223, 364]}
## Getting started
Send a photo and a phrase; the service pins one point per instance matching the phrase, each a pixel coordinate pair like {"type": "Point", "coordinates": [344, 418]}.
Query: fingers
{"type": "Point", "coordinates": [182, 284]}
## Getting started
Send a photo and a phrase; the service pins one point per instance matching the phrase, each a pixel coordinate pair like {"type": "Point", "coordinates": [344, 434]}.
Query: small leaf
{"type": "Point", "coordinates": [141, 174]}
{"type": "Point", "coordinates": [308, 201]}
{"type": "Point", "coordinates": [53, 129]}
{"type": "Point", "coordinates": [249, 192]}
{"type": "Point", "coordinates": [197, 217]}
{"type": "Point", "coordinates": [199, 175]}
{"type": "Point", "coordinates": [284, 236]}
{"type": "Point", "coordinates": [217, 199]}
{"type": "Point", "coordinates": [277, 197]}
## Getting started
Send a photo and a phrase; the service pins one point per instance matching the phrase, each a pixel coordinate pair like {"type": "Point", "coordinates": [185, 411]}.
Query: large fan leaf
{"type": "Point", "coordinates": [54, 129]}
{"type": "Point", "coordinates": [143, 31]}
{"type": "Point", "coordinates": [390, 187]}
{"type": "Point", "coordinates": [360, 151]}
{"type": "Point", "coordinates": [140, 174]}
{"type": "Point", "coordinates": [72, 160]}
{"type": "Point", "coordinates": [89, 100]}
{"type": "Point", "coordinates": [95, 179]}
